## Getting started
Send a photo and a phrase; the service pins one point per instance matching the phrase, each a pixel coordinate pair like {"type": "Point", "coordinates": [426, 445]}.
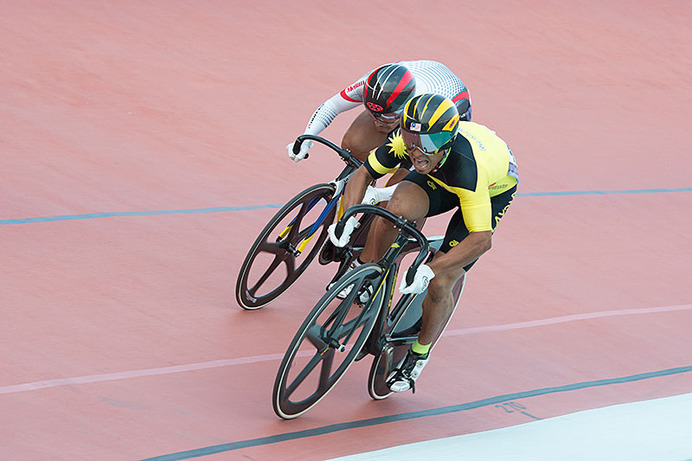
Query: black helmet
{"type": "Point", "coordinates": [387, 90]}
{"type": "Point", "coordinates": [429, 122]}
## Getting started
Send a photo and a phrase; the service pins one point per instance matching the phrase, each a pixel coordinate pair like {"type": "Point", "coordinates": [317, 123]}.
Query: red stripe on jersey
{"type": "Point", "coordinates": [408, 76]}
{"type": "Point", "coordinates": [347, 97]}
{"type": "Point", "coordinates": [462, 95]}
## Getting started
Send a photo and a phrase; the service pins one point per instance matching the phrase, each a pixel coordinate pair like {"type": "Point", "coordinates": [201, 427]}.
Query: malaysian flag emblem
{"type": "Point", "coordinates": [415, 126]}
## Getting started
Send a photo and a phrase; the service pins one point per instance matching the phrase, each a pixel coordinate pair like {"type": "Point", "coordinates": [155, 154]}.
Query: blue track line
{"type": "Point", "coordinates": [603, 192]}
{"type": "Point", "coordinates": [221, 209]}
{"type": "Point", "coordinates": [224, 209]}
{"type": "Point", "coordinates": [225, 447]}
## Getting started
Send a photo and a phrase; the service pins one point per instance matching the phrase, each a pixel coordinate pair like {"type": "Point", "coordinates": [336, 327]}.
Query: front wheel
{"type": "Point", "coordinates": [327, 343]}
{"type": "Point", "coordinates": [285, 247]}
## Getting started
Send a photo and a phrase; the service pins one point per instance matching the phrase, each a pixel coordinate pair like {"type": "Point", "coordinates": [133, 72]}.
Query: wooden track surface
{"type": "Point", "coordinates": [142, 151]}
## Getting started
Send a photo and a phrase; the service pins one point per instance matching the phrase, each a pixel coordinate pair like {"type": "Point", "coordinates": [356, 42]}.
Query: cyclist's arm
{"type": "Point", "coordinates": [355, 189]}
{"type": "Point", "coordinates": [347, 99]}
{"type": "Point", "coordinates": [477, 211]}
{"type": "Point", "coordinates": [467, 251]}
{"type": "Point", "coordinates": [382, 161]}
{"type": "Point", "coordinates": [398, 176]}
{"type": "Point", "coordinates": [327, 112]}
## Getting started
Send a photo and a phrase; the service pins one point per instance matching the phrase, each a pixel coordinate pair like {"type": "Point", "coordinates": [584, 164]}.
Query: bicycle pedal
{"type": "Point", "coordinates": [365, 295]}
{"type": "Point", "coordinates": [327, 254]}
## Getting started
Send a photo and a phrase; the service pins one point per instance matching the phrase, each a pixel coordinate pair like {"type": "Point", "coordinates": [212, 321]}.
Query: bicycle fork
{"type": "Point", "coordinates": [313, 228]}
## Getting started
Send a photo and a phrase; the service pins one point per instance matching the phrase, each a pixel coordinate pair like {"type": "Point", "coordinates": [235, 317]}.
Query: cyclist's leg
{"type": "Point", "coordinates": [435, 317]}
{"type": "Point", "coordinates": [364, 135]}
{"type": "Point", "coordinates": [438, 305]}
{"type": "Point", "coordinates": [410, 201]}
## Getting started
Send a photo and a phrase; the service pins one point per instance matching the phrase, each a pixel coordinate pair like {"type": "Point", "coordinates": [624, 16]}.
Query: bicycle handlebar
{"type": "Point", "coordinates": [345, 154]}
{"type": "Point", "coordinates": [406, 226]}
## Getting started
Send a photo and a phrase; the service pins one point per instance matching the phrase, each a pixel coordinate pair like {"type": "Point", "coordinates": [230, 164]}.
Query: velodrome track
{"type": "Point", "coordinates": [142, 148]}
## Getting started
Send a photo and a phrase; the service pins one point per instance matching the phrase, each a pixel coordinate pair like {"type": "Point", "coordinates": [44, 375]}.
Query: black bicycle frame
{"type": "Point", "coordinates": [402, 244]}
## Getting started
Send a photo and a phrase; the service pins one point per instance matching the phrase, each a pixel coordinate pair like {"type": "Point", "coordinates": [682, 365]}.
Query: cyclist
{"type": "Point", "coordinates": [383, 93]}
{"type": "Point", "coordinates": [456, 165]}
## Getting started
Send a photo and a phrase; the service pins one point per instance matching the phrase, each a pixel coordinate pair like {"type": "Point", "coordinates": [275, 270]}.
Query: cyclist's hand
{"type": "Point", "coordinates": [420, 281]}
{"type": "Point", "coordinates": [342, 240]}
{"type": "Point", "coordinates": [303, 150]}
{"type": "Point", "coordinates": [372, 196]}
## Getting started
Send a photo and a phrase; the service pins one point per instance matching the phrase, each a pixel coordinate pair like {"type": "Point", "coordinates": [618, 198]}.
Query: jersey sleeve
{"type": "Point", "coordinates": [387, 157]}
{"type": "Point", "coordinates": [477, 210]}
{"type": "Point", "coordinates": [475, 205]}
{"type": "Point", "coordinates": [347, 99]}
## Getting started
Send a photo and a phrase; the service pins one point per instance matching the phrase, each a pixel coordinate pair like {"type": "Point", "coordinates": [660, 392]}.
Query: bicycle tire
{"type": "Point", "coordinates": [250, 291]}
{"type": "Point", "coordinates": [381, 367]}
{"type": "Point", "coordinates": [310, 367]}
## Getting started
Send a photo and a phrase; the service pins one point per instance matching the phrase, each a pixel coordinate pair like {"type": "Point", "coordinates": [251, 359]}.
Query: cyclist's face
{"type": "Point", "coordinates": [384, 123]}
{"type": "Point", "coordinates": [424, 163]}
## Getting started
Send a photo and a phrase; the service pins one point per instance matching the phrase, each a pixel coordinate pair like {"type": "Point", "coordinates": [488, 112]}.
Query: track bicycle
{"type": "Point", "coordinates": [295, 235]}
{"type": "Point", "coordinates": [338, 332]}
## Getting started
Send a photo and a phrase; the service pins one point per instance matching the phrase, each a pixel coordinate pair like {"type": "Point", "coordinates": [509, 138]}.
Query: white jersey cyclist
{"type": "Point", "coordinates": [384, 91]}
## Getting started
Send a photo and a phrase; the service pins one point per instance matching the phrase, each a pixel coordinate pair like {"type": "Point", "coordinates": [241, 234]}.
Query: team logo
{"type": "Point", "coordinates": [375, 107]}
{"type": "Point", "coordinates": [451, 124]}
{"type": "Point", "coordinates": [453, 243]}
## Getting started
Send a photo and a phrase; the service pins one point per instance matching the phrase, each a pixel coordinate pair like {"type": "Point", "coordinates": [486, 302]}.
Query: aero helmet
{"type": "Point", "coordinates": [429, 122]}
{"type": "Point", "coordinates": [387, 90]}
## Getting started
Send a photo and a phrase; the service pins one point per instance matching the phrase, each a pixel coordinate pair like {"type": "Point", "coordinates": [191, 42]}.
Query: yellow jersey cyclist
{"type": "Point", "coordinates": [455, 164]}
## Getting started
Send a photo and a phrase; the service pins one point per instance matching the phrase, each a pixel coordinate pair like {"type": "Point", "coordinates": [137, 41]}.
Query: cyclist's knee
{"type": "Point", "coordinates": [362, 137]}
{"type": "Point", "coordinates": [354, 143]}
{"type": "Point", "coordinates": [440, 290]}
{"type": "Point", "coordinates": [442, 284]}
{"type": "Point", "coordinates": [410, 201]}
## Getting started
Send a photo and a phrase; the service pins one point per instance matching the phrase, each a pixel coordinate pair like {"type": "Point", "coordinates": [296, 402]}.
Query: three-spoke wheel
{"type": "Point", "coordinates": [285, 247]}
{"type": "Point", "coordinates": [327, 343]}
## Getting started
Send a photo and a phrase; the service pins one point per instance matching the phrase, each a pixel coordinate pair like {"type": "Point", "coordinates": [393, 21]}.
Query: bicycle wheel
{"type": "Point", "coordinates": [391, 354]}
{"type": "Point", "coordinates": [285, 247]}
{"type": "Point", "coordinates": [327, 343]}
{"type": "Point", "coordinates": [397, 337]}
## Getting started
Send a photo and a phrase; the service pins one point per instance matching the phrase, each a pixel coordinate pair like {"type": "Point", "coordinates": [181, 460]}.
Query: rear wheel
{"type": "Point", "coordinates": [398, 335]}
{"type": "Point", "coordinates": [382, 366]}
{"type": "Point", "coordinates": [285, 247]}
{"type": "Point", "coordinates": [327, 343]}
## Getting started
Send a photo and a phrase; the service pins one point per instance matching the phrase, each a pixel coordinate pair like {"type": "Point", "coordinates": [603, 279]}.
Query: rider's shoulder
{"type": "Point", "coordinates": [396, 146]}
{"type": "Point", "coordinates": [472, 130]}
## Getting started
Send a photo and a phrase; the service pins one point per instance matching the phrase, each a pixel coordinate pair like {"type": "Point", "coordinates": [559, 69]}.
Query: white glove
{"type": "Point", "coordinates": [372, 196]}
{"type": "Point", "coordinates": [350, 226]}
{"type": "Point", "coordinates": [420, 281]}
{"type": "Point", "coordinates": [303, 150]}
